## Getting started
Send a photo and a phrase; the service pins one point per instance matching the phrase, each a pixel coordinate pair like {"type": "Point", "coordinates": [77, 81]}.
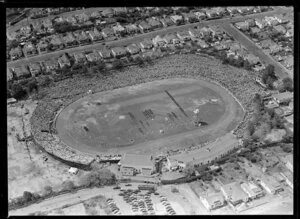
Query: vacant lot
{"type": "Point", "coordinates": [27, 170]}
{"type": "Point", "coordinates": [153, 111]}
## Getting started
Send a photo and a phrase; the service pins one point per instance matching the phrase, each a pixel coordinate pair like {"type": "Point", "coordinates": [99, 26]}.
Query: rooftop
{"type": "Point", "coordinates": [234, 191]}
{"type": "Point", "coordinates": [133, 160]}
{"type": "Point", "coordinates": [284, 95]}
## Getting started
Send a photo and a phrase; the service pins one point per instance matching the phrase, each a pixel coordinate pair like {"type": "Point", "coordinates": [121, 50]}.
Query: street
{"type": "Point", "coordinates": [137, 38]}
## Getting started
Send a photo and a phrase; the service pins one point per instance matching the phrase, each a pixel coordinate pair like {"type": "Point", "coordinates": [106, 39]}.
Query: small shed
{"type": "Point", "coordinates": [73, 170]}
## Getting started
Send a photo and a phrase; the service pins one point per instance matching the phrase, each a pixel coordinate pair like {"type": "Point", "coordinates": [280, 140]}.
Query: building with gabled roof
{"type": "Point", "coordinates": [93, 56]}
{"type": "Point", "coordinates": [177, 19]}
{"type": "Point", "coordinates": [107, 32]}
{"type": "Point", "coordinates": [21, 72]}
{"type": "Point", "coordinates": [132, 28]}
{"type": "Point", "coordinates": [118, 52]}
{"type": "Point", "coordinates": [184, 35]}
{"type": "Point", "coordinates": [270, 184]}
{"type": "Point", "coordinates": [50, 65]}
{"type": "Point", "coordinates": [234, 193]}
{"type": "Point", "coordinates": [119, 29]}
{"type": "Point", "coordinates": [29, 49]}
{"type": "Point", "coordinates": [132, 164]}
{"type": "Point", "coordinates": [288, 176]}
{"type": "Point", "coordinates": [108, 12]}
{"type": "Point", "coordinates": [69, 40]}
{"type": "Point", "coordinates": [56, 42]}
{"type": "Point", "coordinates": [213, 201]}
{"type": "Point", "coordinates": [252, 190]}
{"type": "Point", "coordinates": [42, 46]}
{"type": "Point", "coordinates": [154, 23]}
{"type": "Point", "coordinates": [105, 53]}
{"type": "Point", "coordinates": [79, 57]}
{"type": "Point", "coordinates": [158, 41]}
{"type": "Point", "coordinates": [171, 39]}
{"type": "Point", "coordinates": [95, 35]}
{"type": "Point", "coordinates": [34, 68]}
{"type": "Point", "coordinates": [146, 43]}
{"type": "Point", "coordinates": [16, 53]}
{"type": "Point", "coordinates": [166, 22]}
{"type": "Point", "coordinates": [284, 97]}
{"type": "Point", "coordinates": [133, 49]}
{"type": "Point", "coordinates": [144, 26]}
{"type": "Point", "coordinates": [63, 61]}
{"type": "Point", "coordinates": [81, 37]}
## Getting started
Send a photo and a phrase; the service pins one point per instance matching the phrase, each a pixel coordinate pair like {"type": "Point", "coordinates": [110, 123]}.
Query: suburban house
{"type": "Point", "coordinates": [107, 32]}
{"type": "Point", "coordinates": [200, 15]}
{"type": "Point", "coordinates": [145, 27]}
{"type": "Point", "coordinates": [154, 23]}
{"type": "Point", "coordinates": [202, 44]}
{"type": "Point", "coordinates": [166, 22]}
{"type": "Point", "coordinates": [283, 98]}
{"type": "Point", "coordinates": [56, 43]}
{"type": "Point", "coordinates": [96, 14]}
{"type": "Point", "coordinates": [279, 29]}
{"type": "Point", "coordinates": [79, 57]}
{"type": "Point", "coordinates": [29, 49]}
{"type": "Point", "coordinates": [252, 190]}
{"type": "Point", "coordinates": [93, 56]}
{"type": "Point", "coordinates": [9, 75]}
{"type": "Point", "coordinates": [242, 25]}
{"type": "Point", "coordinates": [118, 52]}
{"type": "Point", "coordinates": [82, 18]}
{"type": "Point", "coordinates": [16, 53]}
{"type": "Point", "coordinates": [69, 40]}
{"type": "Point", "coordinates": [288, 177]}
{"type": "Point", "coordinates": [109, 12]}
{"type": "Point", "coordinates": [119, 29]}
{"type": "Point", "coordinates": [71, 20]}
{"type": "Point", "coordinates": [174, 164]}
{"type": "Point", "coordinates": [25, 30]}
{"type": "Point", "coordinates": [184, 35]}
{"type": "Point", "coordinates": [271, 21]}
{"type": "Point", "coordinates": [177, 19]}
{"type": "Point", "coordinates": [146, 44]}
{"type": "Point", "coordinates": [281, 19]}
{"type": "Point", "coordinates": [81, 37]}
{"type": "Point", "coordinates": [133, 49]}
{"type": "Point", "coordinates": [95, 35]}
{"type": "Point", "coordinates": [50, 65]}
{"type": "Point", "coordinates": [234, 193]}
{"type": "Point", "coordinates": [250, 22]}
{"type": "Point", "coordinates": [220, 11]}
{"type": "Point", "coordinates": [254, 30]}
{"type": "Point", "coordinates": [195, 33]}
{"type": "Point", "coordinates": [232, 10]}
{"type": "Point", "coordinates": [261, 23]}
{"type": "Point", "coordinates": [211, 13]}
{"type": "Point", "coordinates": [212, 201]}
{"type": "Point", "coordinates": [242, 10]}
{"type": "Point", "coordinates": [190, 17]}
{"type": "Point", "coordinates": [48, 25]}
{"type": "Point", "coordinates": [132, 29]}
{"type": "Point", "coordinates": [120, 10]}
{"type": "Point", "coordinates": [105, 53]}
{"type": "Point", "coordinates": [171, 39]}
{"type": "Point", "coordinates": [267, 43]}
{"type": "Point", "coordinates": [22, 72]}
{"type": "Point", "coordinates": [34, 68]}
{"type": "Point", "coordinates": [252, 59]}
{"type": "Point", "coordinates": [288, 161]}
{"type": "Point", "coordinates": [158, 41]}
{"type": "Point", "coordinates": [289, 61]}
{"type": "Point", "coordinates": [289, 33]}
{"type": "Point", "coordinates": [132, 164]}
{"type": "Point", "coordinates": [42, 46]}
{"type": "Point", "coordinates": [270, 184]}
{"type": "Point", "coordinates": [63, 61]}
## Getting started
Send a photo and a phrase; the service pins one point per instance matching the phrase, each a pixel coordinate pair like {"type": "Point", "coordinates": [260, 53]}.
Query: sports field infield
{"type": "Point", "coordinates": [149, 117]}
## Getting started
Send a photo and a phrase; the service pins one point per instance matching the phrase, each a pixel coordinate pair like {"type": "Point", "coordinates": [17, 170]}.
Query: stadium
{"type": "Point", "coordinates": [143, 110]}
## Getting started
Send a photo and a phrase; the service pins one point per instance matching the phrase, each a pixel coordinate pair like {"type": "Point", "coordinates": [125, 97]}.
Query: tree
{"type": "Point", "coordinates": [48, 190]}
{"type": "Point", "coordinates": [288, 84]}
{"type": "Point", "coordinates": [189, 171]}
{"type": "Point", "coordinates": [27, 196]}
{"type": "Point", "coordinates": [117, 64]}
{"type": "Point", "coordinates": [18, 91]}
{"type": "Point", "coordinates": [68, 186]}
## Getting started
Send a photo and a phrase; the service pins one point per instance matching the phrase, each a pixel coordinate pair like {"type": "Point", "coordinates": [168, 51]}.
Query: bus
{"type": "Point", "coordinates": [147, 187]}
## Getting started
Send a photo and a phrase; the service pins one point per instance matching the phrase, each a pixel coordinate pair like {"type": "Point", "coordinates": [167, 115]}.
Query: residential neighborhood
{"type": "Point", "coordinates": [150, 110]}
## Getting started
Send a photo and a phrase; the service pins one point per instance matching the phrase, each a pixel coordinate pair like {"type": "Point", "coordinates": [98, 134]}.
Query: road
{"type": "Point", "coordinates": [280, 70]}
{"type": "Point", "coordinates": [140, 37]}
{"type": "Point", "coordinates": [61, 200]}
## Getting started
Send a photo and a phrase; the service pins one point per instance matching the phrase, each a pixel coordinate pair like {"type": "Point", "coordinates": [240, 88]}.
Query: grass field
{"type": "Point", "coordinates": [121, 120]}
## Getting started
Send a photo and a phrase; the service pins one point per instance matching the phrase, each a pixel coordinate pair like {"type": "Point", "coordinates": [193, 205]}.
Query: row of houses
{"type": "Point", "coordinates": [270, 25]}
{"type": "Point", "coordinates": [236, 193]}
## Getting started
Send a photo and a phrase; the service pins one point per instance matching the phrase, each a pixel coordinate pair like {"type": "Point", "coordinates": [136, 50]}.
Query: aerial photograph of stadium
{"type": "Point", "coordinates": [150, 110]}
